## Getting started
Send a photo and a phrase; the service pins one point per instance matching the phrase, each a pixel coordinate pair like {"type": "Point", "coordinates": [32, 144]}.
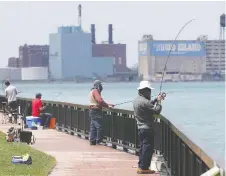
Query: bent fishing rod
{"type": "Point", "coordinates": [164, 95]}
{"type": "Point", "coordinates": [171, 51]}
{"type": "Point", "coordinates": [164, 70]}
{"type": "Point", "coordinates": [167, 59]}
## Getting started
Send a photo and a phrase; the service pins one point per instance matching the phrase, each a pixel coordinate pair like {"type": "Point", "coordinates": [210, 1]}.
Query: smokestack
{"type": "Point", "coordinates": [80, 15]}
{"type": "Point", "coordinates": [110, 34]}
{"type": "Point", "coordinates": [93, 33]}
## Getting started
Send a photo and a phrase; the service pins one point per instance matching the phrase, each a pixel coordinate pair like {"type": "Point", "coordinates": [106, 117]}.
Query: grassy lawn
{"type": "Point", "coordinates": [41, 166]}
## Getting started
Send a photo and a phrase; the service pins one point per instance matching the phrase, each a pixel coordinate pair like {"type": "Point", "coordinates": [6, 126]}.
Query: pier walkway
{"type": "Point", "coordinates": [75, 157]}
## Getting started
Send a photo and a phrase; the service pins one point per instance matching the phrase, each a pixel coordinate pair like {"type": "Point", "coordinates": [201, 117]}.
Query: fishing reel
{"type": "Point", "coordinates": [158, 106]}
{"type": "Point", "coordinates": [162, 97]}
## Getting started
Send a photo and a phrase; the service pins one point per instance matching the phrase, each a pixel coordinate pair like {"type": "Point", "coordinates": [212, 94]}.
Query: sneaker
{"type": "Point", "coordinates": [148, 171]}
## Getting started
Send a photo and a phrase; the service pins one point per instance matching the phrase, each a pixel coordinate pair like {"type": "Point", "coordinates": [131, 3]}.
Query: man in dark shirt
{"type": "Point", "coordinates": [95, 112]}
{"type": "Point", "coordinates": [37, 108]}
{"type": "Point", "coordinates": [144, 109]}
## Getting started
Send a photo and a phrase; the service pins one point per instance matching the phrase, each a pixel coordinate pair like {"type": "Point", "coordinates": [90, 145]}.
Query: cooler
{"type": "Point", "coordinates": [33, 121]}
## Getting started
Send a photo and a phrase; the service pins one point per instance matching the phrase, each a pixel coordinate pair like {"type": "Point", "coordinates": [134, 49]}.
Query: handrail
{"type": "Point", "coordinates": [173, 142]}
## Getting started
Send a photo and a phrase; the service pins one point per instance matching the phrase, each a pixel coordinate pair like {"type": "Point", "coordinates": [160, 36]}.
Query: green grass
{"type": "Point", "coordinates": [41, 166]}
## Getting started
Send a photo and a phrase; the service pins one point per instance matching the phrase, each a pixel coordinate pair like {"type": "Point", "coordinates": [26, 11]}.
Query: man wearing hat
{"type": "Point", "coordinates": [95, 112]}
{"type": "Point", "coordinates": [144, 109]}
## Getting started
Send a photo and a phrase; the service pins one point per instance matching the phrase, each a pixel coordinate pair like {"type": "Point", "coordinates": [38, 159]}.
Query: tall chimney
{"type": "Point", "coordinates": [93, 34]}
{"type": "Point", "coordinates": [110, 34]}
{"type": "Point", "coordinates": [80, 15]}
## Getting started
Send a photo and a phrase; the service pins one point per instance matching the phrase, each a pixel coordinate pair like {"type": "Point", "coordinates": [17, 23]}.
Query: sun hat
{"type": "Point", "coordinates": [145, 84]}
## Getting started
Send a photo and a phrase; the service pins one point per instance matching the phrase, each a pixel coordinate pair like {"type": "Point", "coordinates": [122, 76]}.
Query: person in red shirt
{"type": "Point", "coordinates": [37, 108]}
{"type": "Point", "coordinates": [95, 112]}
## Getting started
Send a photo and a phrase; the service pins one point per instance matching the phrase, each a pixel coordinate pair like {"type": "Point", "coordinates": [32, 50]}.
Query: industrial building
{"type": "Point", "coordinates": [215, 51]}
{"type": "Point", "coordinates": [73, 54]}
{"type": "Point", "coordinates": [102, 66]}
{"type": "Point", "coordinates": [14, 62]}
{"type": "Point", "coordinates": [34, 55]}
{"type": "Point", "coordinates": [215, 55]}
{"type": "Point", "coordinates": [187, 59]}
{"type": "Point", "coordinates": [70, 53]}
{"type": "Point", "coordinates": [199, 59]}
{"type": "Point", "coordinates": [34, 73]}
{"type": "Point", "coordinates": [109, 50]}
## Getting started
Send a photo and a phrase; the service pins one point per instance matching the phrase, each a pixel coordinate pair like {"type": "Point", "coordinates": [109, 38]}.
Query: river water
{"type": "Point", "coordinates": [196, 109]}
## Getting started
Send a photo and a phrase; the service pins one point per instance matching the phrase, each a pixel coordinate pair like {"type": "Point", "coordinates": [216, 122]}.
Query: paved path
{"type": "Point", "coordinates": [75, 157]}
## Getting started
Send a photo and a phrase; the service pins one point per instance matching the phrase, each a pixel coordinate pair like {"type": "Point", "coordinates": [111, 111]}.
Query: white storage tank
{"type": "Point", "coordinates": [4, 73]}
{"type": "Point", "coordinates": [15, 74]}
{"type": "Point", "coordinates": [35, 73]}
{"type": "Point", "coordinates": [10, 73]}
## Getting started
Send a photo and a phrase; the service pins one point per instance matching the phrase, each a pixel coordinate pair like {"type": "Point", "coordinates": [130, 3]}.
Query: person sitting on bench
{"type": "Point", "coordinates": [37, 108]}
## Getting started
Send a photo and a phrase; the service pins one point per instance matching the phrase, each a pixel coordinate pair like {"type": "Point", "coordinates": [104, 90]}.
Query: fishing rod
{"type": "Point", "coordinates": [171, 51]}
{"type": "Point", "coordinates": [123, 103]}
{"type": "Point", "coordinates": [164, 70]}
{"type": "Point", "coordinates": [59, 93]}
{"type": "Point", "coordinates": [163, 95]}
{"type": "Point", "coordinates": [132, 100]}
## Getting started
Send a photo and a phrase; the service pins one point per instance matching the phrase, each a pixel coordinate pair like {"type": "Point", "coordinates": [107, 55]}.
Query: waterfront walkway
{"type": "Point", "coordinates": [75, 157]}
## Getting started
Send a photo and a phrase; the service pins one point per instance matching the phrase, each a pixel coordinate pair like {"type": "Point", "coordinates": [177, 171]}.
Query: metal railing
{"type": "Point", "coordinates": [184, 158]}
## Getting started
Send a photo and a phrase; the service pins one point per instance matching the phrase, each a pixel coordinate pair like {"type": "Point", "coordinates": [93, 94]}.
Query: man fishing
{"type": "Point", "coordinates": [95, 112]}
{"type": "Point", "coordinates": [11, 93]}
{"type": "Point", "coordinates": [144, 109]}
{"type": "Point", "coordinates": [37, 108]}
